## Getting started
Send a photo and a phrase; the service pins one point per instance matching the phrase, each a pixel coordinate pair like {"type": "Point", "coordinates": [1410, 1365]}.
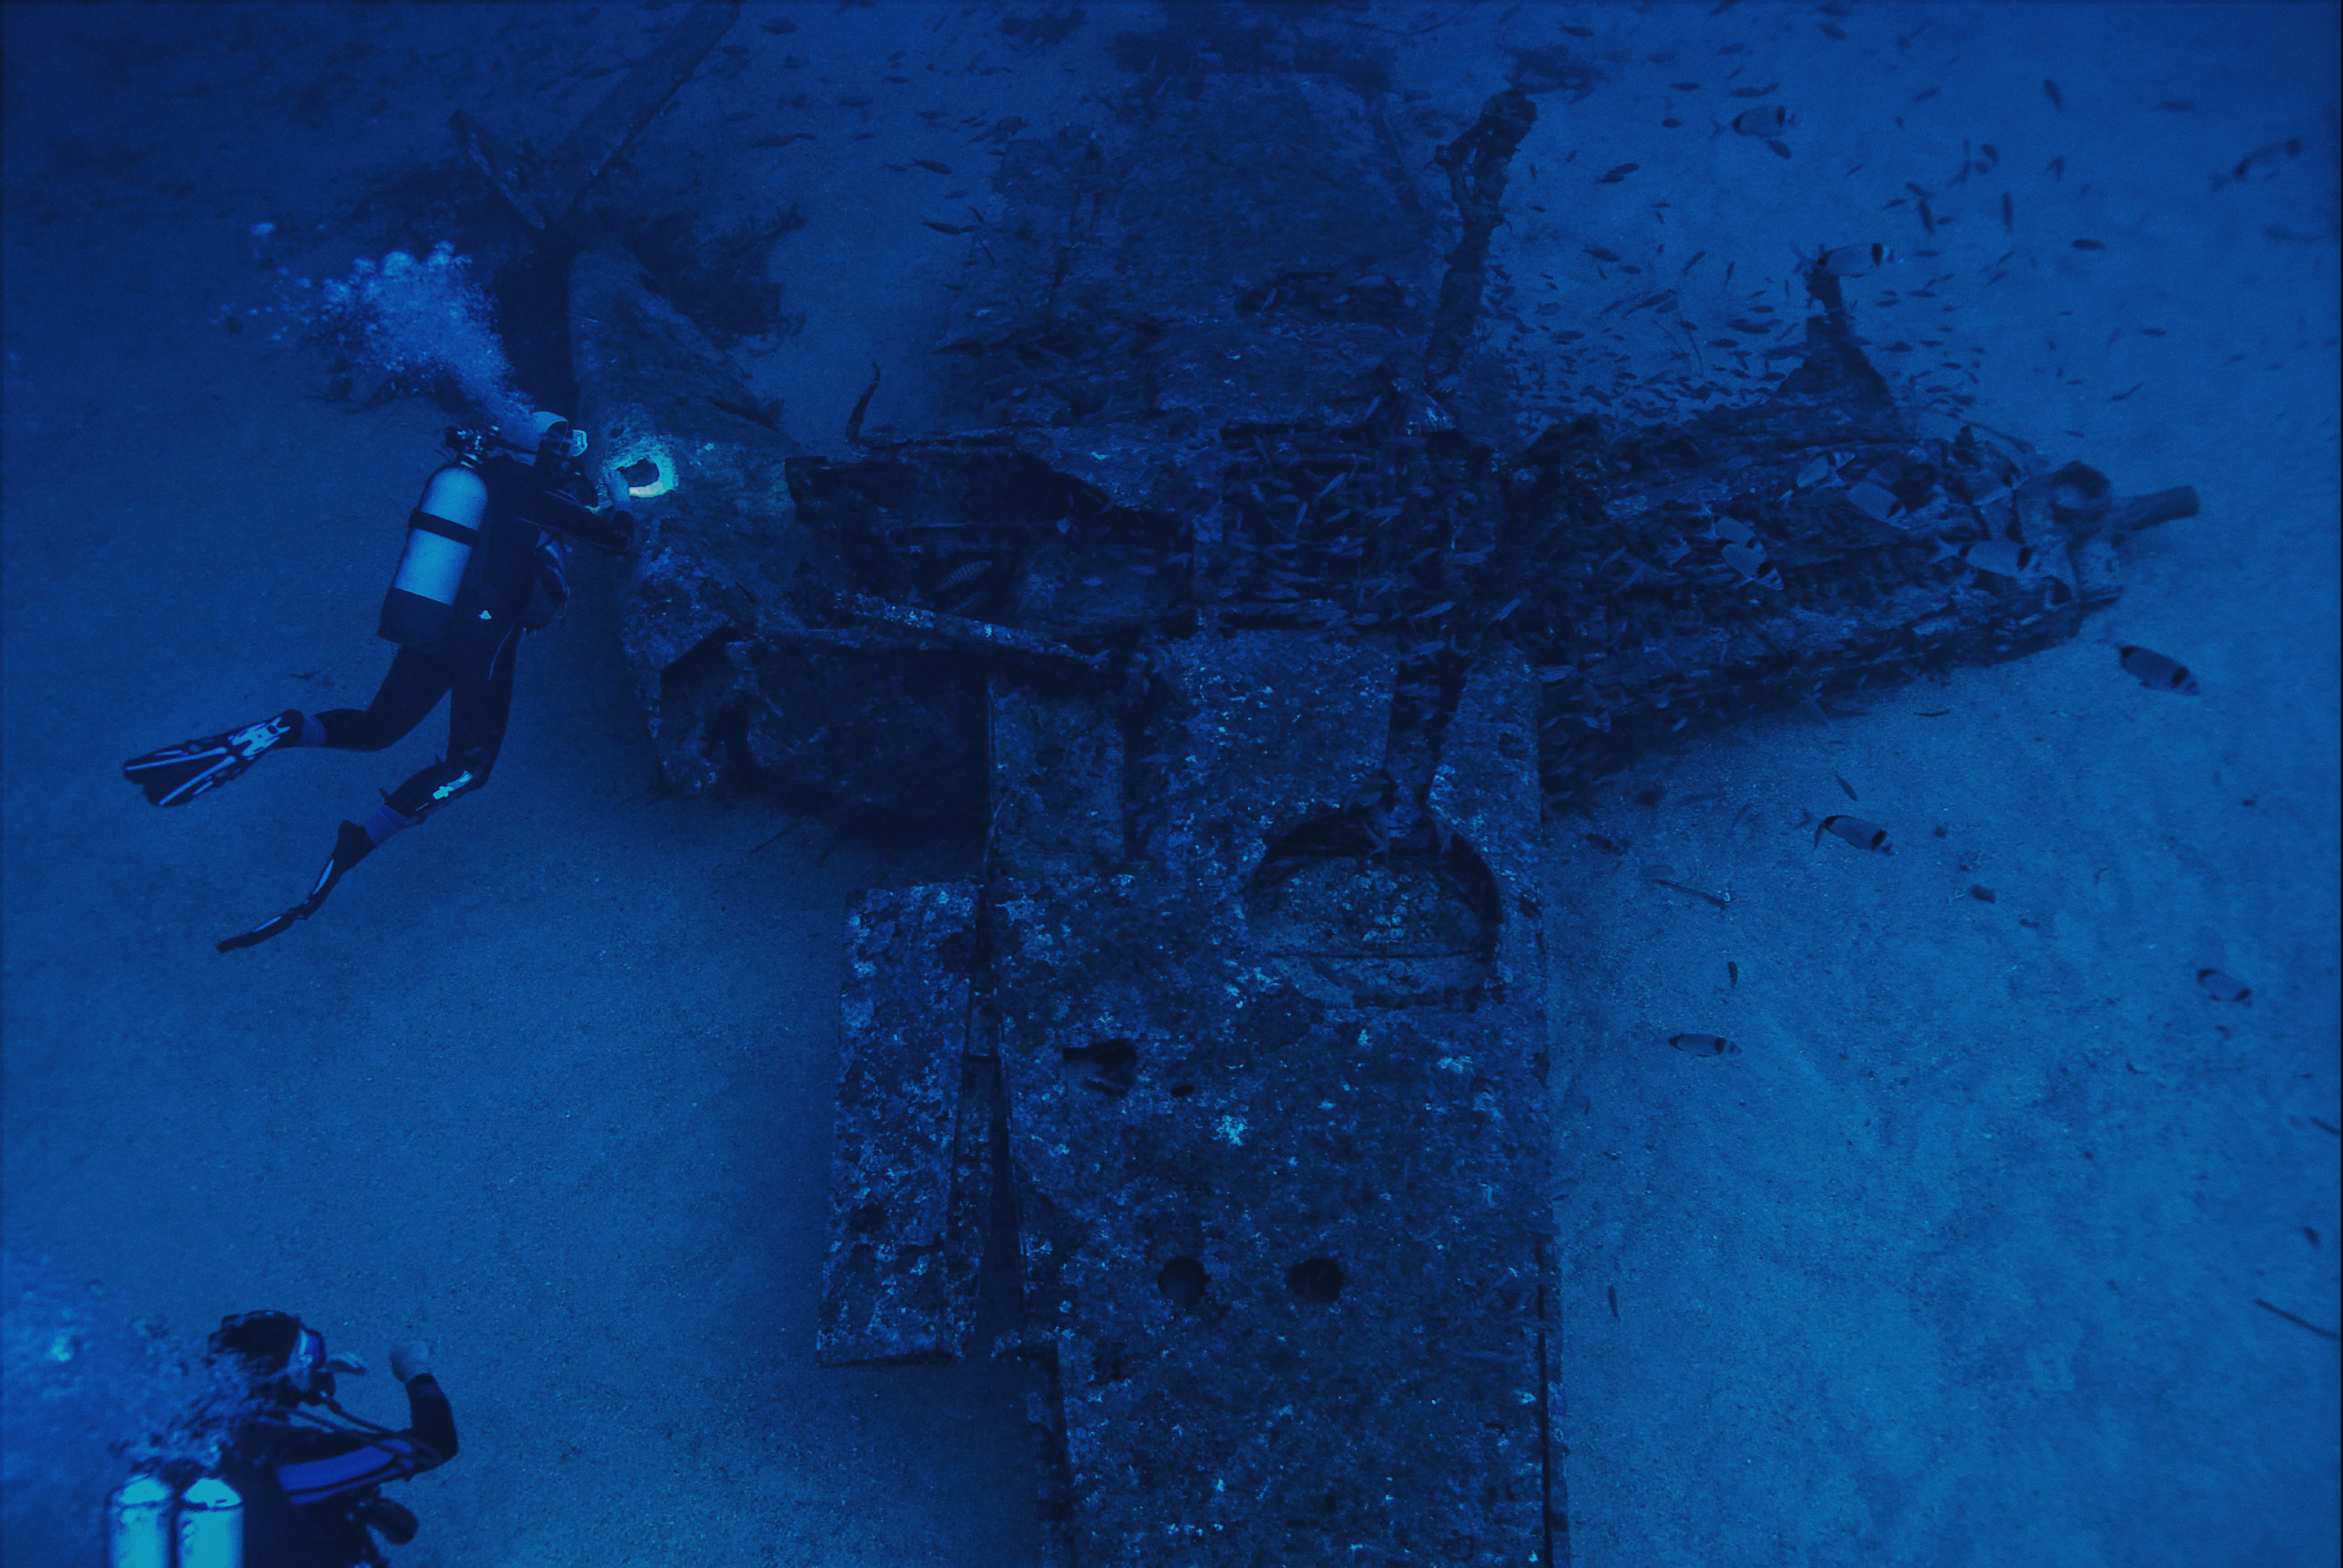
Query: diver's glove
{"type": "Point", "coordinates": [409, 1360]}
{"type": "Point", "coordinates": [606, 529]}
{"type": "Point", "coordinates": [351, 844]}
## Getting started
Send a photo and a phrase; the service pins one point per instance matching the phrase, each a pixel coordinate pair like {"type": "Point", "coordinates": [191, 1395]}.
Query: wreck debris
{"type": "Point", "coordinates": [1244, 614]}
{"type": "Point", "coordinates": [1306, 1087]}
{"type": "Point", "coordinates": [1477, 163]}
{"type": "Point", "coordinates": [544, 192]}
{"type": "Point", "coordinates": [911, 1173]}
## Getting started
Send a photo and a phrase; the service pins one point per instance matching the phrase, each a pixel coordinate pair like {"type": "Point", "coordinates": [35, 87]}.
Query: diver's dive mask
{"type": "Point", "coordinates": [287, 1355]}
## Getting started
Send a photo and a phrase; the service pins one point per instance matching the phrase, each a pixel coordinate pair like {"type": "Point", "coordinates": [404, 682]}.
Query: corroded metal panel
{"type": "Point", "coordinates": [1277, 1207]}
{"type": "Point", "coordinates": [899, 1279]}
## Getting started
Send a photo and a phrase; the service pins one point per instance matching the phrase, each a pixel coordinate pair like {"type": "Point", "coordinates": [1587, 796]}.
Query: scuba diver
{"type": "Point", "coordinates": [312, 1487]}
{"type": "Point", "coordinates": [487, 557]}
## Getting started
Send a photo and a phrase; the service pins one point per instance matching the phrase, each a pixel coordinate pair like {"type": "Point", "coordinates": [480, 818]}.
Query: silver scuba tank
{"type": "Point", "coordinates": [149, 1526]}
{"type": "Point", "coordinates": [138, 1523]}
{"type": "Point", "coordinates": [211, 1525]}
{"type": "Point", "coordinates": [441, 533]}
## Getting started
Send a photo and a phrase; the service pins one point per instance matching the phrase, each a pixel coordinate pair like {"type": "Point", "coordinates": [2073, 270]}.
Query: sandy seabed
{"type": "Point", "coordinates": [1998, 1240]}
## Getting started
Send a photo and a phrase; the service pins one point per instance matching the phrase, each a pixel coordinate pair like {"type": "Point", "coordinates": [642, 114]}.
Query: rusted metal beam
{"type": "Point", "coordinates": [542, 191]}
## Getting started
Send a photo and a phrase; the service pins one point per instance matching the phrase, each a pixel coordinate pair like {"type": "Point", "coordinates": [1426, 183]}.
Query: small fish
{"type": "Point", "coordinates": [2008, 225]}
{"type": "Point", "coordinates": [1723, 902]}
{"type": "Point", "coordinates": [2156, 672]}
{"type": "Point", "coordinates": [2002, 558]}
{"type": "Point", "coordinates": [1752, 565]}
{"type": "Point", "coordinates": [1847, 786]}
{"type": "Point", "coordinates": [1981, 894]}
{"type": "Point", "coordinates": [1731, 531]}
{"type": "Point", "coordinates": [1854, 260]}
{"type": "Point", "coordinates": [1618, 174]}
{"type": "Point", "coordinates": [2221, 987]}
{"type": "Point", "coordinates": [1770, 122]}
{"type": "Point", "coordinates": [931, 165]}
{"type": "Point", "coordinates": [1703, 1045]}
{"type": "Point", "coordinates": [1599, 254]}
{"type": "Point", "coordinates": [1732, 972]}
{"type": "Point", "coordinates": [2291, 147]}
{"type": "Point", "coordinates": [2057, 101]}
{"type": "Point", "coordinates": [2089, 245]}
{"type": "Point", "coordinates": [944, 227]}
{"type": "Point", "coordinates": [1855, 830]}
{"type": "Point", "coordinates": [1815, 472]}
{"type": "Point", "coordinates": [1875, 501]}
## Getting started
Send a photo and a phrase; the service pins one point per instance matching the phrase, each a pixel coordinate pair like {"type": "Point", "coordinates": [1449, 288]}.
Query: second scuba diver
{"type": "Point", "coordinates": [310, 1485]}
{"type": "Point", "coordinates": [486, 558]}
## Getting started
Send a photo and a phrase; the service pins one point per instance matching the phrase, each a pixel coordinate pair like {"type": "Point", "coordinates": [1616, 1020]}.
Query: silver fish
{"type": "Point", "coordinates": [1703, 1045]}
{"type": "Point", "coordinates": [1750, 561]}
{"type": "Point", "coordinates": [1731, 531]}
{"type": "Point", "coordinates": [1855, 830]}
{"type": "Point", "coordinates": [1854, 260]}
{"type": "Point", "coordinates": [1873, 501]}
{"type": "Point", "coordinates": [2223, 987]}
{"type": "Point", "coordinates": [2156, 672]}
{"type": "Point", "coordinates": [2000, 556]}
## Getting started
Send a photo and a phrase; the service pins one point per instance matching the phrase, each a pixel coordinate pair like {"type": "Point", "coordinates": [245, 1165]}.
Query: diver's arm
{"type": "Point", "coordinates": [606, 529]}
{"type": "Point", "coordinates": [428, 1443]}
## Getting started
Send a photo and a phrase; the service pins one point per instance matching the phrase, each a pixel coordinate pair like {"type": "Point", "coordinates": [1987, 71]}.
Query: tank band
{"type": "Point", "coordinates": [443, 528]}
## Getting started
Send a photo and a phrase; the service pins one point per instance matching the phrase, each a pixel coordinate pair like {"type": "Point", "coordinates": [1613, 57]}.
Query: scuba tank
{"type": "Point", "coordinates": [138, 1523]}
{"type": "Point", "coordinates": [211, 1525]}
{"type": "Point", "coordinates": [147, 1525]}
{"type": "Point", "coordinates": [420, 607]}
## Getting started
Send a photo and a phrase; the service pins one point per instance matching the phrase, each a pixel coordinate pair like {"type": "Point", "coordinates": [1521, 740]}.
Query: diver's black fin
{"type": "Point", "coordinates": [351, 844]}
{"type": "Point", "coordinates": [178, 774]}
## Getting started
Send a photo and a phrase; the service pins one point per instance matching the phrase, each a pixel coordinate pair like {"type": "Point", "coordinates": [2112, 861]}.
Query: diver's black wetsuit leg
{"type": "Point", "coordinates": [481, 706]}
{"type": "Point", "coordinates": [479, 709]}
{"type": "Point", "coordinates": [413, 687]}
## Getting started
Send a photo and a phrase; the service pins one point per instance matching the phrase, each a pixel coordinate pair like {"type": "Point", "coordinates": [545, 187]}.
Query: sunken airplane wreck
{"type": "Point", "coordinates": [1255, 643]}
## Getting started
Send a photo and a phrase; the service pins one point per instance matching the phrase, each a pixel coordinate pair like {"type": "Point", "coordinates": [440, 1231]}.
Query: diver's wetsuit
{"type": "Point", "coordinates": [515, 579]}
{"type": "Point", "coordinates": [307, 1488]}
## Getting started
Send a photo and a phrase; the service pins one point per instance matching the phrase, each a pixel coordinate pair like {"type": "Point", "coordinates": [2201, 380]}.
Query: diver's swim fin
{"type": "Point", "coordinates": [351, 844]}
{"type": "Point", "coordinates": [177, 774]}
